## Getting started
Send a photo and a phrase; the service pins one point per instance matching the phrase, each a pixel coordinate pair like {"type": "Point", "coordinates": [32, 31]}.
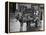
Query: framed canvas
{"type": "Point", "coordinates": [24, 17]}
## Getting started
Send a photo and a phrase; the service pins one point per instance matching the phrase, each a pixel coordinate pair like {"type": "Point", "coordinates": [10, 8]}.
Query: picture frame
{"type": "Point", "coordinates": [30, 17]}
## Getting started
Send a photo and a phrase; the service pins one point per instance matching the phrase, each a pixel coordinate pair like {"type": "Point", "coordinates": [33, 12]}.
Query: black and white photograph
{"type": "Point", "coordinates": [24, 17]}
